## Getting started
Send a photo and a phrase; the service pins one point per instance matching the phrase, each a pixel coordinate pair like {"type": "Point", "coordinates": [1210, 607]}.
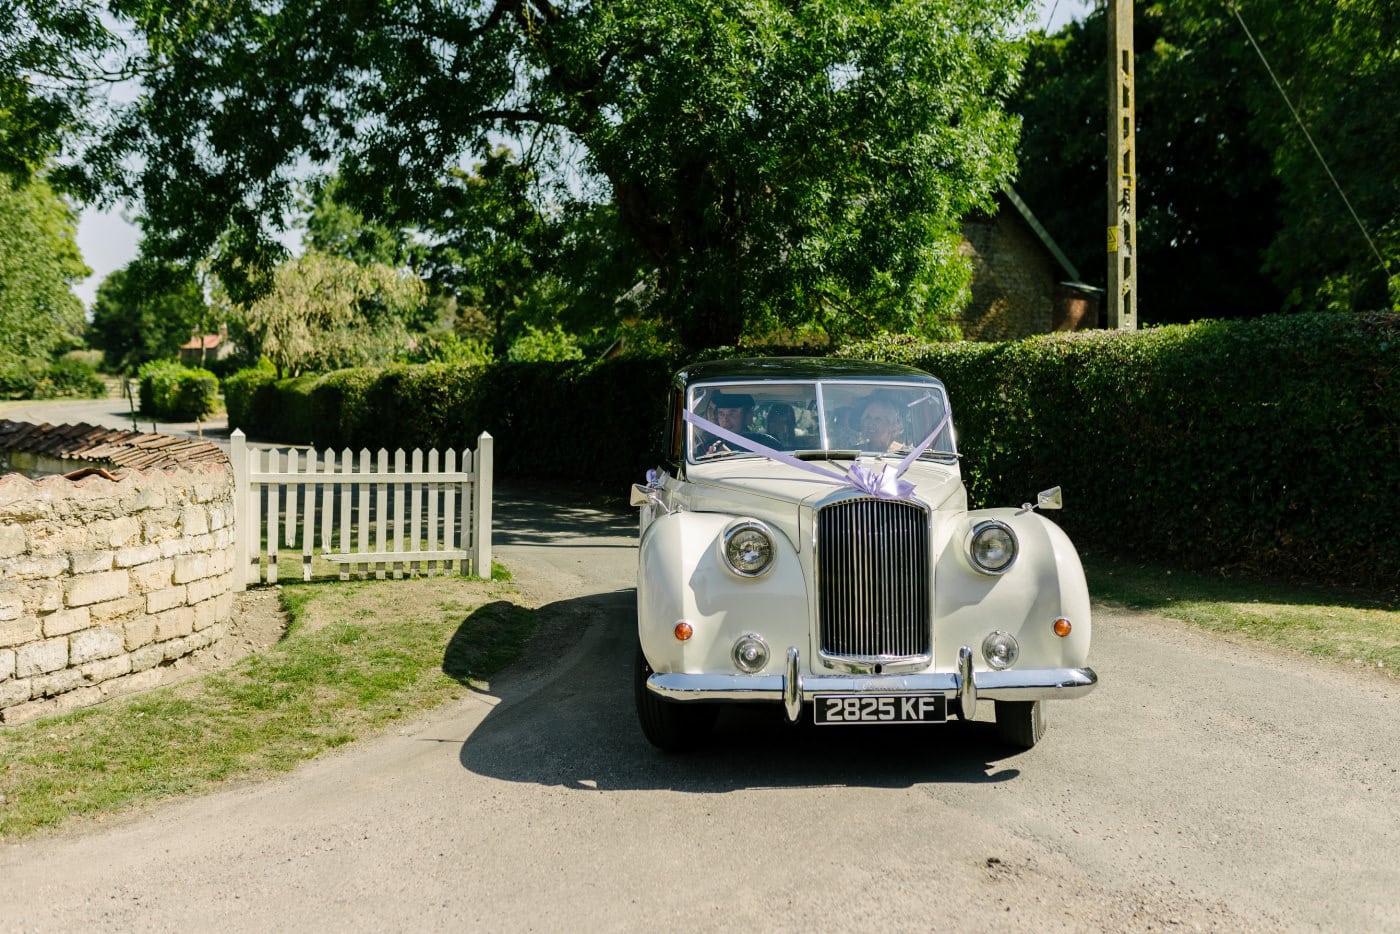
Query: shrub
{"type": "Point", "coordinates": [70, 378]}
{"type": "Point", "coordinates": [244, 391]}
{"type": "Point", "coordinates": [1267, 445]}
{"type": "Point", "coordinates": [173, 392]}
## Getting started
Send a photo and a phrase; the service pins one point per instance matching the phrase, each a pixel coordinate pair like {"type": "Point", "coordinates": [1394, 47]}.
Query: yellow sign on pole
{"type": "Point", "coordinates": [1113, 239]}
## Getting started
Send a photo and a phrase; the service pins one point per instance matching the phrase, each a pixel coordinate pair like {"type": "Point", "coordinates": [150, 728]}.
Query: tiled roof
{"type": "Point", "coordinates": [204, 342]}
{"type": "Point", "coordinates": [126, 449]}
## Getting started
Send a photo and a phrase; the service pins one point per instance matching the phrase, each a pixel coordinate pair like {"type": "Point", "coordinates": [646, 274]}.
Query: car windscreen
{"type": "Point", "coordinates": [872, 418]}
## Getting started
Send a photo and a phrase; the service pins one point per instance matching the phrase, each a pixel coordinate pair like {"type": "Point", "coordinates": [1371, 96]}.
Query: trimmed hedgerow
{"type": "Point", "coordinates": [1271, 445]}
{"type": "Point", "coordinates": [173, 392]}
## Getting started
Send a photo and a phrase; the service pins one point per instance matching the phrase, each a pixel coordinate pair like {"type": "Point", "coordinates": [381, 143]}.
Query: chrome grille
{"type": "Point", "coordinates": [873, 579]}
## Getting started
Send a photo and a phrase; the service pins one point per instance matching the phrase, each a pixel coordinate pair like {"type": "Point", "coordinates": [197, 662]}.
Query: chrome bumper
{"type": "Point", "coordinates": [792, 687]}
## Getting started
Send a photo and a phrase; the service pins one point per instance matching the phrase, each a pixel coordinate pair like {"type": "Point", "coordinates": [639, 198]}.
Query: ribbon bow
{"type": "Point", "coordinates": [883, 484]}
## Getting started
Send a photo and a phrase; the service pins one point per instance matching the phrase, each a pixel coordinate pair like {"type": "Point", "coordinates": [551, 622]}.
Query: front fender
{"type": "Point", "coordinates": [682, 576]}
{"type": "Point", "coordinates": [1045, 582]}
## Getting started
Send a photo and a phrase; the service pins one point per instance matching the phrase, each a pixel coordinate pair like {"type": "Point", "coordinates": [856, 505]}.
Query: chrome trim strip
{"type": "Point", "coordinates": [1011, 684]}
{"type": "Point", "coordinates": [967, 684]}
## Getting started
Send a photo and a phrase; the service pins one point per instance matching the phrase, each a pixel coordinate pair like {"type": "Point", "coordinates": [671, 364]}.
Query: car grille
{"type": "Point", "coordinates": [873, 579]}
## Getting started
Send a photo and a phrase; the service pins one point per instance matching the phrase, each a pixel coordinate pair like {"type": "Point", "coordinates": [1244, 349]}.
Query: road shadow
{"type": "Point", "coordinates": [524, 516]}
{"type": "Point", "coordinates": [568, 721]}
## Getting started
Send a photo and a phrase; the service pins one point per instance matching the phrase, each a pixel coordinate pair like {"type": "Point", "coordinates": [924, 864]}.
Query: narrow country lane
{"type": "Point", "coordinates": [1207, 785]}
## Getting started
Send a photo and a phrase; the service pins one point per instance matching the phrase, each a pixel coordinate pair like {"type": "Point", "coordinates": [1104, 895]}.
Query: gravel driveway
{"type": "Point", "coordinates": [1206, 785]}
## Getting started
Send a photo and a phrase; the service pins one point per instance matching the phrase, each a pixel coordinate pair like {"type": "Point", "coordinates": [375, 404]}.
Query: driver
{"type": "Point", "coordinates": [730, 411]}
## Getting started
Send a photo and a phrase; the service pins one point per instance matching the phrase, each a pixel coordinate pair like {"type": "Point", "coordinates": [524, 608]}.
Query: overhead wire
{"type": "Point", "coordinates": [1385, 267]}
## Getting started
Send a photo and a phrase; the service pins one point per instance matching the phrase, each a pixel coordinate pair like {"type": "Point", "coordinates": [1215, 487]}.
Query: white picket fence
{"type": "Point", "coordinates": [372, 517]}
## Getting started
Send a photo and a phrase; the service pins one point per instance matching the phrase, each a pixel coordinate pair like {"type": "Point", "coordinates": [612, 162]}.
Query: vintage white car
{"type": "Point", "coordinates": [810, 546]}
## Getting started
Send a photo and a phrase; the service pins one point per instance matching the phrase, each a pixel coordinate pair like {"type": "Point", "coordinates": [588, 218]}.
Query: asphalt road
{"type": "Point", "coordinates": [1205, 785]}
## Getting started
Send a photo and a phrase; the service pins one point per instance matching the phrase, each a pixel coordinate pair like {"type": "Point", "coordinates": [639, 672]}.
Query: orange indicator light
{"type": "Point", "coordinates": [684, 630]}
{"type": "Point", "coordinates": [1062, 627]}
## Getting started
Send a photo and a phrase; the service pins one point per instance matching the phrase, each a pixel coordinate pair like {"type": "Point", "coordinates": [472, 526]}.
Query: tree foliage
{"type": "Point", "coordinates": [39, 263]}
{"type": "Point", "coordinates": [327, 312]}
{"type": "Point", "coordinates": [145, 311]}
{"type": "Point", "coordinates": [1233, 205]}
{"type": "Point", "coordinates": [772, 163]}
{"type": "Point", "coordinates": [54, 54]}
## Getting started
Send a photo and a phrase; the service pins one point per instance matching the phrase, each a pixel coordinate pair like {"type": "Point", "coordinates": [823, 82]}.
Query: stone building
{"type": "Point", "coordinates": [1022, 282]}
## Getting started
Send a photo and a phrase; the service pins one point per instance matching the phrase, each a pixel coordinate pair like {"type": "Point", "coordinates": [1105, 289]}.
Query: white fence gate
{"type": "Point", "coordinates": [372, 516]}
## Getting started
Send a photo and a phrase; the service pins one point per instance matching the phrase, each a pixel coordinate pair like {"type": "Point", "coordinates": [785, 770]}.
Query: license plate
{"type": "Point", "coordinates": [879, 708]}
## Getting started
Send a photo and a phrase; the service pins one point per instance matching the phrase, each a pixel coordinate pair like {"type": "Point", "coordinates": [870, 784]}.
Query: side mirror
{"type": "Point", "coordinates": [641, 495]}
{"type": "Point", "coordinates": [1050, 499]}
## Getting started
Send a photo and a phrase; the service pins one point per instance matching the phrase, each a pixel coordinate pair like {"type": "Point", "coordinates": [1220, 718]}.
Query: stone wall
{"type": "Point", "coordinates": [102, 582]}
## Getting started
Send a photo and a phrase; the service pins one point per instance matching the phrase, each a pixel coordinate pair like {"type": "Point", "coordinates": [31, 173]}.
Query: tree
{"type": "Point", "coordinates": [1340, 64]}
{"type": "Point", "coordinates": [145, 312]}
{"type": "Point", "coordinates": [773, 162]}
{"type": "Point", "coordinates": [53, 55]}
{"type": "Point", "coordinates": [39, 264]}
{"type": "Point", "coordinates": [1236, 215]}
{"type": "Point", "coordinates": [326, 312]}
{"type": "Point", "coordinates": [1207, 204]}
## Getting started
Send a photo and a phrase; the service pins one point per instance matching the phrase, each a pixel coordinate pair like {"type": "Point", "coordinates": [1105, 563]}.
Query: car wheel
{"type": "Point", "coordinates": [668, 725]}
{"type": "Point", "coordinates": [1020, 723]}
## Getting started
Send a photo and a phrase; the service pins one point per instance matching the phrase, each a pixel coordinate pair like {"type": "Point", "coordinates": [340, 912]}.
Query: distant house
{"type": "Point", "coordinates": [1022, 282]}
{"type": "Point", "coordinates": [207, 348]}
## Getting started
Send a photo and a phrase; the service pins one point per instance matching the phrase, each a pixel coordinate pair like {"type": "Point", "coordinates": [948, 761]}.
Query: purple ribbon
{"type": "Point", "coordinates": [886, 483]}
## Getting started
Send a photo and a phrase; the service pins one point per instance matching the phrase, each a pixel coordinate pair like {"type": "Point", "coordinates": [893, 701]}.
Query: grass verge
{"type": "Point", "coordinates": [358, 655]}
{"type": "Point", "coordinates": [1344, 626]}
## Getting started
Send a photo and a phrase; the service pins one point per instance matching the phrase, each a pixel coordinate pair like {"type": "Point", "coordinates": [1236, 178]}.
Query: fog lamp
{"type": "Point", "coordinates": [1000, 649]}
{"type": "Point", "coordinates": [750, 653]}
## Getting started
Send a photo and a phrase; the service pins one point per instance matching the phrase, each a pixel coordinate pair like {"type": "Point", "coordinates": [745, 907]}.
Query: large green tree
{"type": "Point", "coordinates": [145, 311]}
{"type": "Point", "coordinates": [1236, 214]}
{"type": "Point", "coordinates": [774, 162]}
{"type": "Point", "coordinates": [39, 264]}
{"type": "Point", "coordinates": [55, 55]}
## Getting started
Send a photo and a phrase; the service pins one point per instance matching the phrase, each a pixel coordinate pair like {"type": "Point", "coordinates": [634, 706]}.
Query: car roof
{"type": "Point", "coordinates": [753, 369]}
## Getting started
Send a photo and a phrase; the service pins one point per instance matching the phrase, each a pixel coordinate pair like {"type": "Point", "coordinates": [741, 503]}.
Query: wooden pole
{"type": "Point", "coordinates": [1122, 170]}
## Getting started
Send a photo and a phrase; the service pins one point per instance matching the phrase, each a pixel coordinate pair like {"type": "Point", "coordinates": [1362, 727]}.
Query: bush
{"type": "Point", "coordinates": [70, 377]}
{"type": "Point", "coordinates": [1268, 445]}
{"type": "Point", "coordinates": [173, 392]}
{"type": "Point", "coordinates": [242, 392]}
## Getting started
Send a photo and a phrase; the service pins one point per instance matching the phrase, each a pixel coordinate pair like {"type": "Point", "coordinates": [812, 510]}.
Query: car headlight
{"type": "Point", "coordinates": [1001, 649]}
{"type": "Point", "coordinates": [748, 548]}
{"type": "Point", "coordinates": [992, 546]}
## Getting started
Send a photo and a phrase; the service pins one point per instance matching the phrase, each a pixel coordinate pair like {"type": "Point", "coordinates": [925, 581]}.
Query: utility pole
{"type": "Point", "coordinates": [1122, 170]}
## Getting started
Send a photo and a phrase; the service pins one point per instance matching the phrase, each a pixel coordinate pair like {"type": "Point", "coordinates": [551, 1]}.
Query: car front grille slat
{"type": "Point", "coordinates": [873, 579]}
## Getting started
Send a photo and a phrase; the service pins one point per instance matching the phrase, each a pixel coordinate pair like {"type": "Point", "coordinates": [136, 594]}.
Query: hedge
{"type": "Point", "coordinates": [1270, 445]}
{"type": "Point", "coordinates": [173, 392]}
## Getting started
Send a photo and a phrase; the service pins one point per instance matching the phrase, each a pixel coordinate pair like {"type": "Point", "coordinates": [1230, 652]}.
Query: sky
{"type": "Point", "coordinates": [108, 240]}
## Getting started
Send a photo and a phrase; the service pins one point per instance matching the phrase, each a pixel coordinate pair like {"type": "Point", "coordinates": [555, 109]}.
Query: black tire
{"type": "Point", "coordinates": [667, 725]}
{"type": "Point", "coordinates": [1020, 723]}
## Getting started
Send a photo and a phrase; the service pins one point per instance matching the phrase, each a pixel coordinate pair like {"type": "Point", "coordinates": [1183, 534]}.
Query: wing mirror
{"type": "Point", "coordinates": [642, 495]}
{"type": "Point", "coordinates": [1046, 499]}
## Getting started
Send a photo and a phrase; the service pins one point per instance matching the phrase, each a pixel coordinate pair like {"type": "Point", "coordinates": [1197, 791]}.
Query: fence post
{"type": "Point", "coordinates": [238, 453]}
{"type": "Point", "coordinates": [482, 488]}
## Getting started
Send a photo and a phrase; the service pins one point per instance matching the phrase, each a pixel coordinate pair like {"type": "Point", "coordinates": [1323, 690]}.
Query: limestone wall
{"type": "Point", "coordinates": [102, 582]}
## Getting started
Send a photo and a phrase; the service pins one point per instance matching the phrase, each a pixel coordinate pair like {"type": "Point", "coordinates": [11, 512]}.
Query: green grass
{"type": "Point", "coordinates": [359, 655]}
{"type": "Point", "coordinates": [1345, 626]}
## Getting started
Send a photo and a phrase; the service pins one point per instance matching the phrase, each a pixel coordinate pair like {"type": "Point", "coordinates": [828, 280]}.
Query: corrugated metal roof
{"type": "Point", "coordinates": [107, 446]}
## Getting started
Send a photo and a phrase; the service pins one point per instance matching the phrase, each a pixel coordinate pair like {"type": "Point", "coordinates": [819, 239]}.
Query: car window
{"type": "Point", "coordinates": [871, 417]}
